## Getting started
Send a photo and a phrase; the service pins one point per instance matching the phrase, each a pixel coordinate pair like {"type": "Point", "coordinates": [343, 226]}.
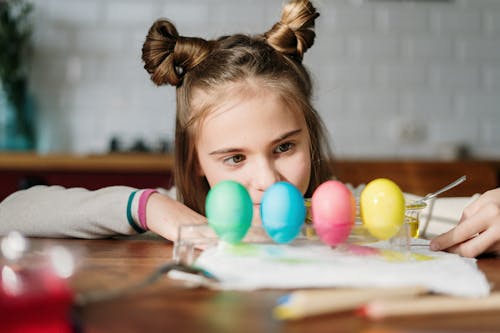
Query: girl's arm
{"type": "Point", "coordinates": [164, 215]}
{"type": "Point", "coordinates": [54, 211]}
{"type": "Point", "coordinates": [478, 230]}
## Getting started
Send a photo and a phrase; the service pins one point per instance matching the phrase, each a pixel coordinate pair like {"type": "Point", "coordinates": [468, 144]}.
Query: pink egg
{"type": "Point", "coordinates": [333, 212]}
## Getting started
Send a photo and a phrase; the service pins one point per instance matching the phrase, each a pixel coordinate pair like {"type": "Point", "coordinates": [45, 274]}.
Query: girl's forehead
{"type": "Point", "coordinates": [249, 123]}
{"type": "Point", "coordinates": [255, 100]}
{"type": "Point", "coordinates": [208, 104]}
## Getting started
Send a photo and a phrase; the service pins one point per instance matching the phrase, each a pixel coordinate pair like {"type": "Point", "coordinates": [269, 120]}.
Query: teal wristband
{"type": "Point", "coordinates": [130, 219]}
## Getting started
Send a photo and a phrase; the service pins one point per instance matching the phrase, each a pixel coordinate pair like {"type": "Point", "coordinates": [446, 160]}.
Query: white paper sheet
{"type": "Point", "coordinates": [313, 265]}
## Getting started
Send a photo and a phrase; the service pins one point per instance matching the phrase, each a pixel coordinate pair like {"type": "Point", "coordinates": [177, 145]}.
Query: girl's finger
{"type": "Point", "coordinates": [464, 231]}
{"type": "Point", "coordinates": [482, 243]}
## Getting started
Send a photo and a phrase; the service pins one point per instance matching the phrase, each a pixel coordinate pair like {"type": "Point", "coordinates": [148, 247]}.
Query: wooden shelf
{"type": "Point", "coordinates": [20, 170]}
{"type": "Point", "coordinates": [23, 170]}
{"type": "Point", "coordinates": [422, 177]}
{"type": "Point", "coordinates": [86, 163]}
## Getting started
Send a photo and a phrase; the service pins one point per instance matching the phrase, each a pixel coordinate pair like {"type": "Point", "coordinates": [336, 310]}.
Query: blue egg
{"type": "Point", "coordinates": [229, 210]}
{"type": "Point", "coordinates": [283, 212]}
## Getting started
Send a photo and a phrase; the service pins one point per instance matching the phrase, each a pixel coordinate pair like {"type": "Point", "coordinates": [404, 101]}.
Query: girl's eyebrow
{"type": "Point", "coordinates": [234, 150]}
{"type": "Point", "coordinates": [287, 135]}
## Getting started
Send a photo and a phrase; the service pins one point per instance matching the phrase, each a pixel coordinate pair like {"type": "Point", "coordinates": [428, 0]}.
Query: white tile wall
{"type": "Point", "coordinates": [393, 79]}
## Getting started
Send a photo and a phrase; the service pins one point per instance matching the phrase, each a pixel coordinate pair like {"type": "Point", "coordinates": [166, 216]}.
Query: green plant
{"type": "Point", "coordinates": [15, 39]}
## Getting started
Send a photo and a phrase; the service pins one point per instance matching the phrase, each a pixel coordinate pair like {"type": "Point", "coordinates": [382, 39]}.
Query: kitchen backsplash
{"type": "Point", "coordinates": [394, 79]}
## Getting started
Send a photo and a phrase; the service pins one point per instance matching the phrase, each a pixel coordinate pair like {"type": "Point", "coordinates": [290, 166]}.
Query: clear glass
{"type": "Point", "coordinates": [192, 239]}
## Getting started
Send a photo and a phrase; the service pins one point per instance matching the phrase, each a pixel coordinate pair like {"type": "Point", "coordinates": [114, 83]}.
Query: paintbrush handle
{"type": "Point", "coordinates": [306, 303]}
{"type": "Point", "coordinates": [429, 305]}
{"type": "Point", "coordinates": [444, 189]}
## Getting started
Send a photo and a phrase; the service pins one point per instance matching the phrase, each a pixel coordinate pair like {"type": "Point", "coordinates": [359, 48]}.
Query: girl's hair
{"type": "Point", "coordinates": [273, 60]}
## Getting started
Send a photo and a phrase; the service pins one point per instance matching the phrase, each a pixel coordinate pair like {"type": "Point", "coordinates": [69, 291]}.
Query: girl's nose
{"type": "Point", "coordinates": [266, 175]}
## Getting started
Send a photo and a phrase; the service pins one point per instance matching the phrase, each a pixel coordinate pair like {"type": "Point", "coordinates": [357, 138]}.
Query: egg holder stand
{"type": "Point", "coordinates": [193, 239]}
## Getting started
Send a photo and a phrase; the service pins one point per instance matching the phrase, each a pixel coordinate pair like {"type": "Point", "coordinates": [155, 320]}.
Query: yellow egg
{"type": "Point", "coordinates": [382, 207]}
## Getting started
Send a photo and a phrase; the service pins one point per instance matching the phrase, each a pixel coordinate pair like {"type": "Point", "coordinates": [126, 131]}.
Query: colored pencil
{"type": "Point", "coordinates": [305, 303]}
{"type": "Point", "coordinates": [426, 305]}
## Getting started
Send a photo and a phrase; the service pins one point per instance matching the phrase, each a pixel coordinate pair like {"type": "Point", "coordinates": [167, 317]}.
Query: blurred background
{"type": "Point", "coordinates": [417, 79]}
{"type": "Point", "coordinates": [394, 80]}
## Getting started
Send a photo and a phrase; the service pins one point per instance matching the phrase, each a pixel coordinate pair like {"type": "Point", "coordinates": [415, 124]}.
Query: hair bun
{"type": "Point", "coordinates": [167, 56]}
{"type": "Point", "coordinates": [294, 34]}
{"type": "Point", "coordinates": [157, 53]}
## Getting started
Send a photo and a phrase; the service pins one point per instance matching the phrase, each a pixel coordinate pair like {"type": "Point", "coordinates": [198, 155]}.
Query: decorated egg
{"type": "Point", "coordinates": [382, 207]}
{"type": "Point", "coordinates": [333, 212]}
{"type": "Point", "coordinates": [229, 210]}
{"type": "Point", "coordinates": [283, 212]}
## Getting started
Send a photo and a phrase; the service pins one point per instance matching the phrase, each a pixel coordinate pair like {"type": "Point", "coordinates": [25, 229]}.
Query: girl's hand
{"type": "Point", "coordinates": [165, 215]}
{"type": "Point", "coordinates": [478, 230]}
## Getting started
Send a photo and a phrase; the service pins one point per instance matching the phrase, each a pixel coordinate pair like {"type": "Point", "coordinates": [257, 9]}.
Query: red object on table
{"type": "Point", "coordinates": [34, 301]}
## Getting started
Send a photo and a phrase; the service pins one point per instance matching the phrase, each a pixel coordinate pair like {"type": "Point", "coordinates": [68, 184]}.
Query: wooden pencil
{"type": "Point", "coordinates": [304, 303]}
{"type": "Point", "coordinates": [425, 305]}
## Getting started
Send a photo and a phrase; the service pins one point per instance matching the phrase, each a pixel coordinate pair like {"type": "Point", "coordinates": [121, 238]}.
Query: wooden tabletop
{"type": "Point", "coordinates": [170, 306]}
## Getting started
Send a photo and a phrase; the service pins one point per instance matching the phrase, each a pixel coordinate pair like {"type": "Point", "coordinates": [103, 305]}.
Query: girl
{"type": "Point", "coordinates": [243, 113]}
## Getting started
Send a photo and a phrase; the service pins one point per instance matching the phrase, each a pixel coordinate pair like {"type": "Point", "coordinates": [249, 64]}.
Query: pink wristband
{"type": "Point", "coordinates": [142, 207]}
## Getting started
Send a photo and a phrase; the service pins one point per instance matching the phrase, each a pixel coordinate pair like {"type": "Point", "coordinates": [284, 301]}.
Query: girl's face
{"type": "Point", "coordinates": [255, 140]}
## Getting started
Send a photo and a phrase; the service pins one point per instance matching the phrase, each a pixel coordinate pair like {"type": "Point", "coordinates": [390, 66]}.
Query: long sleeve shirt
{"type": "Point", "coordinates": [55, 211]}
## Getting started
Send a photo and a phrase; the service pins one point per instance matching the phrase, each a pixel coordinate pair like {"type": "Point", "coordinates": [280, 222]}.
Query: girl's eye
{"type": "Point", "coordinates": [235, 159]}
{"type": "Point", "coordinates": [284, 147]}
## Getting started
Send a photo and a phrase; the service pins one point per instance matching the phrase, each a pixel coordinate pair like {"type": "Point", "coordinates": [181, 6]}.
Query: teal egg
{"type": "Point", "coordinates": [229, 211]}
{"type": "Point", "coordinates": [283, 212]}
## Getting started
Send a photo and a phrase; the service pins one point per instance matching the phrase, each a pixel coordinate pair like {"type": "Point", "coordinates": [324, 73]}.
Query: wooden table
{"type": "Point", "coordinates": [170, 306]}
